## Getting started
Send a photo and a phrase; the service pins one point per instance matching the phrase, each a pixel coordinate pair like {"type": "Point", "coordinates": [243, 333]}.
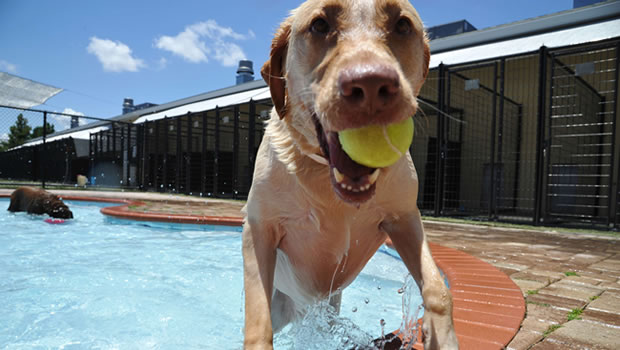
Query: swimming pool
{"type": "Point", "coordinates": [102, 283]}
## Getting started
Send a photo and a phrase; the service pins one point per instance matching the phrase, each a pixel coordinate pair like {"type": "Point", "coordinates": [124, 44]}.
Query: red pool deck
{"type": "Point", "coordinates": [488, 306]}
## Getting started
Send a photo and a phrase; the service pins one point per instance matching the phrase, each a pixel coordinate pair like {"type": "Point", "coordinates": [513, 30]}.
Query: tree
{"type": "Point", "coordinates": [20, 132]}
{"type": "Point", "coordinates": [38, 131]}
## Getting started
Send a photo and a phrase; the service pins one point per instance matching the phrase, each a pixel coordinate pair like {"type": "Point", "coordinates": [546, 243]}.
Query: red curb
{"type": "Point", "coordinates": [488, 305]}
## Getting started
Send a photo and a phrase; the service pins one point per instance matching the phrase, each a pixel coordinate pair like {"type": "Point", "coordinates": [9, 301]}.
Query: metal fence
{"type": "Point", "coordinates": [45, 148]}
{"type": "Point", "coordinates": [530, 138]}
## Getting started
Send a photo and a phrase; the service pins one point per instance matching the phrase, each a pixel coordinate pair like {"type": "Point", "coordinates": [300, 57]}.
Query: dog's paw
{"type": "Point", "coordinates": [438, 333]}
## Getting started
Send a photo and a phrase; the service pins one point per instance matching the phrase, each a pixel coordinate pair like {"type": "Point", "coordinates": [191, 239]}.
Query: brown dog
{"type": "Point", "coordinates": [36, 201]}
{"type": "Point", "coordinates": [314, 217]}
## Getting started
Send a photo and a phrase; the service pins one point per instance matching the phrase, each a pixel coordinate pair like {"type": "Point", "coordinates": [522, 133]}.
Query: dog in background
{"type": "Point", "coordinates": [36, 201]}
{"type": "Point", "coordinates": [314, 217]}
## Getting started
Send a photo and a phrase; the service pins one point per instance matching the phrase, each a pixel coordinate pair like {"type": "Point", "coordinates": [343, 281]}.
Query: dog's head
{"type": "Point", "coordinates": [342, 64]}
{"type": "Point", "coordinates": [56, 208]}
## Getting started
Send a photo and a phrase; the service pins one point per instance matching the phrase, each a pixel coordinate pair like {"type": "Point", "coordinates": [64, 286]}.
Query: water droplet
{"type": "Point", "coordinates": [379, 287]}
{"type": "Point", "coordinates": [354, 309]}
{"type": "Point", "coordinates": [382, 323]}
{"type": "Point", "coordinates": [401, 290]}
{"type": "Point", "coordinates": [366, 300]}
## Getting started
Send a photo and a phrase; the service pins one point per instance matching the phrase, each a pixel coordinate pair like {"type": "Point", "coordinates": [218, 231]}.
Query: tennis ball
{"type": "Point", "coordinates": [377, 146]}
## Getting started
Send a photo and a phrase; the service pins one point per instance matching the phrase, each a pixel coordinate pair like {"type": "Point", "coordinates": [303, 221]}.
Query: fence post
{"type": "Point", "coordinates": [164, 175]}
{"type": "Point", "coordinates": [492, 194]}
{"type": "Point", "coordinates": [540, 134]}
{"type": "Point", "coordinates": [439, 166]}
{"type": "Point", "coordinates": [500, 134]}
{"type": "Point", "coordinates": [216, 154]}
{"type": "Point", "coordinates": [235, 174]}
{"type": "Point", "coordinates": [43, 173]}
{"type": "Point", "coordinates": [129, 154]}
{"type": "Point", "coordinates": [179, 156]}
{"type": "Point", "coordinates": [203, 156]}
{"type": "Point", "coordinates": [188, 156]}
{"type": "Point", "coordinates": [615, 157]}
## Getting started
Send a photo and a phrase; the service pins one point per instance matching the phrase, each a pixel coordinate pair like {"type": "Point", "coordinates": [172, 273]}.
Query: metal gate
{"type": "Point", "coordinates": [581, 136]}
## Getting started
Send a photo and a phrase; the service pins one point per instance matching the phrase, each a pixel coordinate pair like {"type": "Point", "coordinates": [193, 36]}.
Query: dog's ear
{"type": "Point", "coordinates": [427, 56]}
{"type": "Point", "coordinates": [273, 69]}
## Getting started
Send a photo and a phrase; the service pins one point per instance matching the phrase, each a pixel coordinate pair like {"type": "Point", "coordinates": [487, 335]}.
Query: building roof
{"type": "Point", "coordinates": [576, 26]}
{"type": "Point", "coordinates": [572, 18]}
{"type": "Point", "coordinates": [573, 36]}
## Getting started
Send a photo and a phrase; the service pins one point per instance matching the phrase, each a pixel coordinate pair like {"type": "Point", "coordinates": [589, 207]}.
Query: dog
{"type": "Point", "coordinates": [314, 217]}
{"type": "Point", "coordinates": [36, 201]}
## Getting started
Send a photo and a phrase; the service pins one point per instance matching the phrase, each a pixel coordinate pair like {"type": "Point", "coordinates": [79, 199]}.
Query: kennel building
{"type": "Point", "coordinates": [516, 123]}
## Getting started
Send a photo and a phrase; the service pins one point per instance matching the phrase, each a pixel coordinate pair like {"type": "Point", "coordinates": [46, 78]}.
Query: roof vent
{"type": "Point", "coordinates": [245, 72]}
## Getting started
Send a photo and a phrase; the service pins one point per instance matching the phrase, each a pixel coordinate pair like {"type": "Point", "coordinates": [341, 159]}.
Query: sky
{"type": "Point", "coordinates": [101, 51]}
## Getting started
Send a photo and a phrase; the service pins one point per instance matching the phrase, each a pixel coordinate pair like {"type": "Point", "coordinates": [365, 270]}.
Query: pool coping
{"type": "Point", "coordinates": [488, 307]}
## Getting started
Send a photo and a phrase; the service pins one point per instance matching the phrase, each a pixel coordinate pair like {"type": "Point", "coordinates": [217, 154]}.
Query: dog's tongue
{"type": "Point", "coordinates": [339, 159]}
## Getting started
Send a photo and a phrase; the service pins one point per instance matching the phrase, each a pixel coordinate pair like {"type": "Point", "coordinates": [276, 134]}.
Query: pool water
{"type": "Point", "coordinates": [101, 283]}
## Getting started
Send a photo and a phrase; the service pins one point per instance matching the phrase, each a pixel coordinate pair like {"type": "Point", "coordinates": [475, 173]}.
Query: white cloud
{"type": "Point", "coordinates": [7, 67]}
{"type": "Point", "coordinates": [63, 122]}
{"type": "Point", "coordinates": [114, 55]}
{"type": "Point", "coordinates": [4, 137]}
{"type": "Point", "coordinates": [202, 41]}
{"type": "Point", "coordinates": [162, 63]}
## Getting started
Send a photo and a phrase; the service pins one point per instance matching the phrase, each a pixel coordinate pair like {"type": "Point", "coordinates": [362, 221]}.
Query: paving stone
{"type": "Point", "coordinates": [524, 340]}
{"type": "Point", "coordinates": [550, 273]}
{"type": "Point", "coordinates": [610, 286]}
{"type": "Point", "coordinates": [587, 334]}
{"type": "Point", "coordinates": [556, 301]}
{"type": "Point", "coordinates": [546, 314]}
{"type": "Point", "coordinates": [571, 290]}
{"type": "Point", "coordinates": [583, 280]}
{"type": "Point", "coordinates": [511, 266]}
{"type": "Point", "coordinates": [547, 345]}
{"type": "Point", "coordinates": [526, 285]}
{"type": "Point", "coordinates": [607, 302]}
{"type": "Point", "coordinates": [605, 318]}
{"type": "Point", "coordinates": [527, 276]}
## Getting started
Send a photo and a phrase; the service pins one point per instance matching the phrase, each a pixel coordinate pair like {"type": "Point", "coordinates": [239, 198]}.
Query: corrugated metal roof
{"type": "Point", "coordinates": [223, 101]}
{"type": "Point", "coordinates": [560, 38]}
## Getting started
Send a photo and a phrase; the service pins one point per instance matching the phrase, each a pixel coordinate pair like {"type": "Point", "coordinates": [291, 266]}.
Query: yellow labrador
{"type": "Point", "coordinates": [314, 217]}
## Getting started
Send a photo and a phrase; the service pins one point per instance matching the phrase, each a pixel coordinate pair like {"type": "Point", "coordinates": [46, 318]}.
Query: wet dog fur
{"type": "Point", "coordinates": [313, 217]}
{"type": "Point", "coordinates": [36, 201]}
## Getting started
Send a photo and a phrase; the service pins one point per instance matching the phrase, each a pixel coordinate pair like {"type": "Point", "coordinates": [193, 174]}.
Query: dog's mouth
{"type": "Point", "coordinates": [353, 183]}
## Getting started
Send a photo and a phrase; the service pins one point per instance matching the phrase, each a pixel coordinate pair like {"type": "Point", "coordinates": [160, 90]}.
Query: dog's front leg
{"type": "Point", "coordinates": [259, 259]}
{"type": "Point", "coordinates": [407, 234]}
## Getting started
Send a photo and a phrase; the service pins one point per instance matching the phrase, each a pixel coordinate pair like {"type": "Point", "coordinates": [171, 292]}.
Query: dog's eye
{"type": "Point", "coordinates": [320, 26]}
{"type": "Point", "coordinates": [403, 26]}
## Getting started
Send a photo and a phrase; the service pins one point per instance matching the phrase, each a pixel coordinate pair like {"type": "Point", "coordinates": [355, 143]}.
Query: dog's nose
{"type": "Point", "coordinates": [370, 87]}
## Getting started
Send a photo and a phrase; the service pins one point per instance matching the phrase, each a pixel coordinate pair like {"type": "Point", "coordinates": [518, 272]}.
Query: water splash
{"type": "Point", "coordinates": [409, 327]}
{"type": "Point", "coordinates": [321, 328]}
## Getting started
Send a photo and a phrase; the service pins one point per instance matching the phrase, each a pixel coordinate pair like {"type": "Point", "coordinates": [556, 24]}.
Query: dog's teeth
{"type": "Point", "coordinates": [356, 190]}
{"type": "Point", "coordinates": [344, 186]}
{"type": "Point", "coordinates": [374, 176]}
{"type": "Point", "coordinates": [350, 188]}
{"type": "Point", "coordinates": [338, 175]}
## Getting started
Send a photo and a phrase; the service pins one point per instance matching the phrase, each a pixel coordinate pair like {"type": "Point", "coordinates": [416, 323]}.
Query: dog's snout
{"type": "Point", "coordinates": [369, 87]}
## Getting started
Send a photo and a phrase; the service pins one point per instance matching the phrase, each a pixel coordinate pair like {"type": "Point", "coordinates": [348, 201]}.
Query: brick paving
{"type": "Point", "coordinates": [559, 274]}
{"type": "Point", "coordinates": [571, 282]}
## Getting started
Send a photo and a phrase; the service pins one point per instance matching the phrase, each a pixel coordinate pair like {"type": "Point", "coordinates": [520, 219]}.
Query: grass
{"type": "Point", "coordinates": [574, 314]}
{"type": "Point", "coordinates": [532, 291]}
{"type": "Point", "coordinates": [594, 297]}
{"type": "Point", "coordinates": [551, 329]}
{"type": "Point", "coordinates": [571, 273]}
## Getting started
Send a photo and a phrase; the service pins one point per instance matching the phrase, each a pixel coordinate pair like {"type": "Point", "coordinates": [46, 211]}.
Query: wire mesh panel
{"type": "Point", "coordinates": [424, 146]}
{"type": "Point", "coordinates": [468, 141]}
{"type": "Point", "coordinates": [581, 135]}
{"type": "Point", "coordinates": [226, 174]}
